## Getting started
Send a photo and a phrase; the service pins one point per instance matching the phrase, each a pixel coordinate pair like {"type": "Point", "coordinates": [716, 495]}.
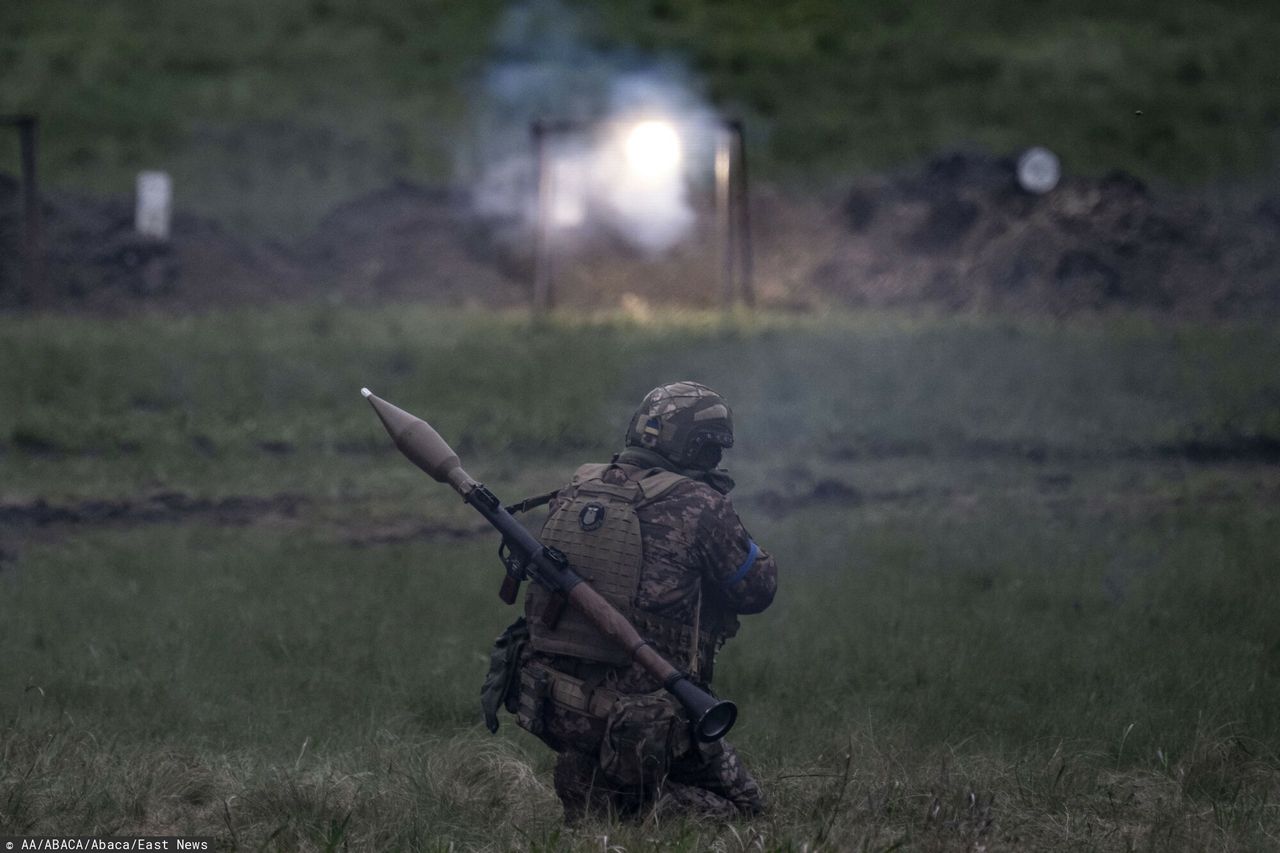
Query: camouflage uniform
{"type": "Point", "coordinates": [693, 545]}
{"type": "Point", "coordinates": [624, 744]}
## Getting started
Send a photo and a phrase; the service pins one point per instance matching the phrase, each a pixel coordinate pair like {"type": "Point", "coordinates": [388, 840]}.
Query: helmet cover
{"type": "Point", "coordinates": [679, 419]}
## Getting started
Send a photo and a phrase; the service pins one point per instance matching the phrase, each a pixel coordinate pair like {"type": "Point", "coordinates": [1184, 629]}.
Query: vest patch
{"type": "Point", "coordinates": [591, 516]}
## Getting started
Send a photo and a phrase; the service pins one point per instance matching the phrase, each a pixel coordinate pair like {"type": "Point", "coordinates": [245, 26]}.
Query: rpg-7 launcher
{"type": "Point", "coordinates": [526, 557]}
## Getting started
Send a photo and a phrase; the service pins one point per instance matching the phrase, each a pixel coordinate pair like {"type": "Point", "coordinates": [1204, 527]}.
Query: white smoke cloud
{"type": "Point", "coordinates": [602, 175]}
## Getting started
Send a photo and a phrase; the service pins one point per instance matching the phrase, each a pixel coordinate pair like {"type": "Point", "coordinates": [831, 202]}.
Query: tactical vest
{"type": "Point", "coordinates": [596, 526]}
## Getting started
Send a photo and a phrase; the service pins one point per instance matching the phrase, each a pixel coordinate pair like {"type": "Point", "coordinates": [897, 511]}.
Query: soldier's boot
{"type": "Point", "coordinates": [713, 775]}
{"type": "Point", "coordinates": [679, 800]}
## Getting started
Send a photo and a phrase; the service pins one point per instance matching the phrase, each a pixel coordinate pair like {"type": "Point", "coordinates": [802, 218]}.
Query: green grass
{"type": "Point", "coordinates": [190, 402]}
{"type": "Point", "coordinates": [1028, 624]}
{"type": "Point", "coordinates": [268, 115]}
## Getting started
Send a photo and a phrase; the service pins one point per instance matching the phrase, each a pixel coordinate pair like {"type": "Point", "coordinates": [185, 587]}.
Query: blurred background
{"type": "Point", "coordinates": [993, 289]}
{"type": "Point", "coordinates": [383, 149]}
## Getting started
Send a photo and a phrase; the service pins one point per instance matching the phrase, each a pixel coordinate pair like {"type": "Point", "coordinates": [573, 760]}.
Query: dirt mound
{"type": "Point", "coordinates": [961, 233]}
{"type": "Point", "coordinates": [410, 242]}
{"type": "Point", "coordinates": [97, 261]}
{"type": "Point", "coordinates": [402, 242]}
{"type": "Point", "coordinates": [957, 233]}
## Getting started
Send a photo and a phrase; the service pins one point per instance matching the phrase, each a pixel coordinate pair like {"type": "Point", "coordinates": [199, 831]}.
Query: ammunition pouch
{"type": "Point", "coordinates": [500, 682]}
{"type": "Point", "coordinates": [543, 684]}
{"type": "Point", "coordinates": [637, 734]}
{"type": "Point", "coordinates": [535, 688]}
{"type": "Point", "coordinates": [561, 710]}
{"type": "Point", "coordinates": [577, 695]}
{"type": "Point", "coordinates": [642, 734]}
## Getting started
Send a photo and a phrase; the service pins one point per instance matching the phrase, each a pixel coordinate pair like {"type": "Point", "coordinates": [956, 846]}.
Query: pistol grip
{"type": "Point", "coordinates": [510, 590]}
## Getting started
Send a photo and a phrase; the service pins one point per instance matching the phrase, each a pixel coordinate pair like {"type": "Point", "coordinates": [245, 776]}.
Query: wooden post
{"type": "Point", "coordinates": [34, 281]}
{"type": "Point", "coordinates": [746, 283]}
{"type": "Point", "coordinates": [733, 213]}
{"type": "Point", "coordinates": [724, 214]}
{"type": "Point", "coordinates": [543, 296]}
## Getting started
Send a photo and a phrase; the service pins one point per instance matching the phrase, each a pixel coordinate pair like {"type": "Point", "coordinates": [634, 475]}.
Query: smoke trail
{"type": "Point", "coordinates": [606, 174]}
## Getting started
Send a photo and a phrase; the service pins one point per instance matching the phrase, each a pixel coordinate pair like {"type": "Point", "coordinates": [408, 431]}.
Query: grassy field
{"type": "Point", "coordinates": [270, 114]}
{"type": "Point", "coordinates": [1027, 596]}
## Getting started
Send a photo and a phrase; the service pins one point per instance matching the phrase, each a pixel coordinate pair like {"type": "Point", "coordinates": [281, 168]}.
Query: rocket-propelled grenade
{"type": "Point", "coordinates": [711, 718]}
{"type": "Point", "coordinates": [422, 444]}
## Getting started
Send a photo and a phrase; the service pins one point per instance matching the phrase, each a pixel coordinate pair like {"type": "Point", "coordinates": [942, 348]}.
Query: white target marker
{"type": "Point", "coordinates": [1038, 170]}
{"type": "Point", "coordinates": [155, 204]}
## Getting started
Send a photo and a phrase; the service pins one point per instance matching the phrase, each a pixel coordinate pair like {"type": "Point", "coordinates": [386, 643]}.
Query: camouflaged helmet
{"type": "Point", "coordinates": [678, 420]}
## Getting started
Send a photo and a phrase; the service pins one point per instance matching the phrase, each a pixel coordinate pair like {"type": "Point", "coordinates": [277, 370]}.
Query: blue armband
{"type": "Point", "coordinates": [746, 565]}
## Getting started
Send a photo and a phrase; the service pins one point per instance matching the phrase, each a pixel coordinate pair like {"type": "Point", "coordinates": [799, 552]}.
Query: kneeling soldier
{"type": "Point", "coordinates": [655, 533]}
